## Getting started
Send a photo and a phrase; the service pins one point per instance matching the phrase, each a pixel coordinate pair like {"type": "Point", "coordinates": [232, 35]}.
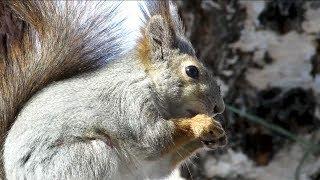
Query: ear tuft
{"type": "Point", "coordinates": [159, 33]}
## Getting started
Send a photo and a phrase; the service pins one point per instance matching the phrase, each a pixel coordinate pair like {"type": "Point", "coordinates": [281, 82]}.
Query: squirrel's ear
{"type": "Point", "coordinates": [160, 33]}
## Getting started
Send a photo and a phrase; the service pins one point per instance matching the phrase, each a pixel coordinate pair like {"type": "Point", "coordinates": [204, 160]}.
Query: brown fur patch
{"type": "Point", "coordinates": [144, 50]}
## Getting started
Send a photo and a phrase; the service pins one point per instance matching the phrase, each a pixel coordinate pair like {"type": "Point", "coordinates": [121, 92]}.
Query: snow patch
{"type": "Point", "coordinates": [175, 175]}
{"type": "Point", "coordinates": [254, 9]}
{"type": "Point", "coordinates": [291, 53]}
{"type": "Point", "coordinates": [283, 166]}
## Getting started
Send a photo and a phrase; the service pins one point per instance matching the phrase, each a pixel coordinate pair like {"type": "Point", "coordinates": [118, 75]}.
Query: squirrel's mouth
{"type": "Point", "coordinates": [196, 108]}
{"type": "Point", "coordinates": [192, 113]}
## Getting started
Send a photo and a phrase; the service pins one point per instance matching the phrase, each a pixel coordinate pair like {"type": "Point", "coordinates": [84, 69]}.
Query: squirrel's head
{"type": "Point", "coordinates": [182, 84]}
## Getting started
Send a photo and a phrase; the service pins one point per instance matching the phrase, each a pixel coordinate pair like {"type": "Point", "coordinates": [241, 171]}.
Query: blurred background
{"type": "Point", "coordinates": [266, 55]}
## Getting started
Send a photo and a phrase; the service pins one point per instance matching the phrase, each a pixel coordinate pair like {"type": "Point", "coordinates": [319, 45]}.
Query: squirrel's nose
{"type": "Point", "coordinates": [219, 108]}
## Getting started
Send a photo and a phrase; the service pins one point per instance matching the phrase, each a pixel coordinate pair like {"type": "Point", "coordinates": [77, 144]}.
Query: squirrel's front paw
{"type": "Point", "coordinates": [209, 131]}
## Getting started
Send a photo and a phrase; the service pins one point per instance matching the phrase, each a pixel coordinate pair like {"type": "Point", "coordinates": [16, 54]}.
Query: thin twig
{"type": "Point", "coordinates": [300, 165]}
{"type": "Point", "coordinates": [302, 161]}
{"type": "Point", "coordinates": [309, 145]}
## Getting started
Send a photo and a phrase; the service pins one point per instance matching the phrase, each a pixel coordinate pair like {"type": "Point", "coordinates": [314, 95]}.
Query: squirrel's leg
{"type": "Point", "coordinates": [201, 127]}
{"type": "Point", "coordinates": [187, 150]}
{"type": "Point", "coordinates": [91, 156]}
{"type": "Point", "coordinates": [184, 153]}
{"type": "Point", "coordinates": [186, 139]}
{"type": "Point", "coordinates": [165, 166]}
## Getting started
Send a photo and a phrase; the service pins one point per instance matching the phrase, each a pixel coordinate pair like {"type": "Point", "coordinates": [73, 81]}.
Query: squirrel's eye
{"type": "Point", "coordinates": [192, 71]}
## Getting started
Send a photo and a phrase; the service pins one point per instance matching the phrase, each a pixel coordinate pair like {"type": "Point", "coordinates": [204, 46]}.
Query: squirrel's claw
{"type": "Point", "coordinates": [216, 143]}
{"type": "Point", "coordinates": [212, 134]}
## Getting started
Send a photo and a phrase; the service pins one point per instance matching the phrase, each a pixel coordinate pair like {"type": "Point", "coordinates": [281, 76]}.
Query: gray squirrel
{"type": "Point", "coordinates": [76, 105]}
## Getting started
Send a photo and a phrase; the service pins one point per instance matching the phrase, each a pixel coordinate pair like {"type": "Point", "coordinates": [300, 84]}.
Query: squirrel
{"type": "Point", "coordinates": [75, 104]}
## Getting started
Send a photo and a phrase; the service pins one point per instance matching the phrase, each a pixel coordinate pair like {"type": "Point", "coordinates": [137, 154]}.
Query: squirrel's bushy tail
{"type": "Point", "coordinates": [46, 41]}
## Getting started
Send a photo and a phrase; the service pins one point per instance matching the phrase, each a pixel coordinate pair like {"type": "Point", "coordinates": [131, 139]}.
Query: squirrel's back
{"type": "Point", "coordinates": [46, 41]}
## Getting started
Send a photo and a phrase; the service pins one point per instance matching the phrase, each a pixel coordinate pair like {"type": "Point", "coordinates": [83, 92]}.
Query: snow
{"type": "Point", "coordinates": [292, 62]}
{"type": "Point", "coordinates": [229, 165]}
{"type": "Point", "coordinates": [312, 21]}
{"type": "Point", "coordinates": [175, 175]}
